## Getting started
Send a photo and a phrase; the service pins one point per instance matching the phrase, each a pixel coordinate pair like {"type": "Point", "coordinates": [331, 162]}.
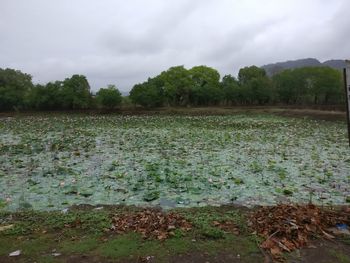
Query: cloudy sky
{"type": "Point", "coordinates": [124, 42]}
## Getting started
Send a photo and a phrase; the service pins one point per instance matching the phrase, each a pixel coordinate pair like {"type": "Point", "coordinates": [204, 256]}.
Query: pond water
{"type": "Point", "coordinates": [54, 162]}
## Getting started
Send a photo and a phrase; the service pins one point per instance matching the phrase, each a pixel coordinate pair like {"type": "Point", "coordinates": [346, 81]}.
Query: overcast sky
{"type": "Point", "coordinates": [123, 42]}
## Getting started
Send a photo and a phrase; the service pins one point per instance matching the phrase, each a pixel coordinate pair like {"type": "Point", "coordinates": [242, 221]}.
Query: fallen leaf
{"type": "Point", "coordinates": [150, 223]}
{"type": "Point", "coordinates": [290, 226]}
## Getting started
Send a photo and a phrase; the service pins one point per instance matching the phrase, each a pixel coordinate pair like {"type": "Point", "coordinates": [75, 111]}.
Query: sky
{"type": "Point", "coordinates": [124, 42]}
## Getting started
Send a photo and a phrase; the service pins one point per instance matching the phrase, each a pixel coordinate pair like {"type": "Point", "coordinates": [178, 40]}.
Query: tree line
{"type": "Point", "coordinates": [17, 92]}
{"type": "Point", "coordinates": [178, 86]}
{"type": "Point", "coordinates": [201, 86]}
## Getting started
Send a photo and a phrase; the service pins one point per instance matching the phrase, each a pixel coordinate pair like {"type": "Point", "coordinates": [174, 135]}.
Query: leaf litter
{"type": "Point", "coordinates": [150, 223]}
{"type": "Point", "coordinates": [287, 227]}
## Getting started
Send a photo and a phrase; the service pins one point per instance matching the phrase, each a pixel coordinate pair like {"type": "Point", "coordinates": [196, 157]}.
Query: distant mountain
{"type": "Point", "coordinates": [275, 68]}
{"type": "Point", "coordinates": [335, 63]}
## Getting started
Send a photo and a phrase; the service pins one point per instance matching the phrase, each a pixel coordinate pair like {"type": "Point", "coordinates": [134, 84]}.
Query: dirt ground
{"type": "Point", "coordinates": [319, 251]}
{"type": "Point", "coordinates": [84, 235]}
{"type": "Point", "coordinates": [329, 113]}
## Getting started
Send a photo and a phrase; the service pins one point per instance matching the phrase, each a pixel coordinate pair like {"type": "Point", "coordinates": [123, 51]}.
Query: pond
{"type": "Point", "coordinates": [53, 162]}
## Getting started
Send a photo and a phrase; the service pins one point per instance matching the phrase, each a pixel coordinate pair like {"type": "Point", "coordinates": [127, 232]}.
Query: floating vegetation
{"type": "Point", "coordinates": [53, 162]}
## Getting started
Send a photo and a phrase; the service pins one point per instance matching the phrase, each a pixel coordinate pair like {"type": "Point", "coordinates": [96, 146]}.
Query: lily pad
{"type": "Point", "coordinates": [86, 193]}
{"type": "Point", "coordinates": [287, 192]}
{"type": "Point", "coordinates": [70, 189]}
{"type": "Point", "coordinates": [255, 159]}
{"type": "Point", "coordinates": [150, 196]}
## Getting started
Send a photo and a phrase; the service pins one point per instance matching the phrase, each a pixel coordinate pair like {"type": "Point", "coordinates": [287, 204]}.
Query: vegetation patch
{"type": "Point", "coordinates": [52, 163]}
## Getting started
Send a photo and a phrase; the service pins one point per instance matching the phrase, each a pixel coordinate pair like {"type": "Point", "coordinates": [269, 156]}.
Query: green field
{"type": "Point", "coordinates": [51, 162]}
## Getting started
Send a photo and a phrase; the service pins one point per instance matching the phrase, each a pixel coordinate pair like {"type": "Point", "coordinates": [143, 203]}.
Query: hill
{"type": "Point", "coordinates": [275, 68]}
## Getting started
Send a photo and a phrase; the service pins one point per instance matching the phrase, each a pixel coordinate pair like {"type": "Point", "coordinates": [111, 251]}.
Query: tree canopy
{"type": "Point", "coordinates": [148, 94]}
{"type": "Point", "coordinates": [14, 89]}
{"type": "Point", "coordinates": [178, 86]}
{"type": "Point", "coordinates": [109, 97]}
{"type": "Point", "coordinates": [76, 93]}
{"type": "Point", "coordinates": [310, 85]}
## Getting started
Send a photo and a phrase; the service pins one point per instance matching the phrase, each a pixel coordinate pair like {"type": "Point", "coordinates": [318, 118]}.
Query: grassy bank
{"type": "Point", "coordinates": [84, 234]}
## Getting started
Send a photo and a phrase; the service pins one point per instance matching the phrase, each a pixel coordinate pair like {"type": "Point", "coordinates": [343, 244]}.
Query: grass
{"type": "Point", "coordinates": [346, 240]}
{"type": "Point", "coordinates": [32, 247]}
{"type": "Point", "coordinates": [30, 222]}
{"type": "Point", "coordinates": [83, 245]}
{"type": "Point", "coordinates": [340, 256]}
{"type": "Point", "coordinates": [83, 232]}
{"type": "Point", "coordinates": [203, 219]}
{"type": "Point", "coordinates": [120, 247]}
{"type": "Point", "coordinates": [132, 246]}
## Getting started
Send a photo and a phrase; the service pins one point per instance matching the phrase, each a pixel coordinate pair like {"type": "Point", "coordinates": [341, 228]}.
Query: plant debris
{"type": "Point", "coordinates": [4, 228]}
{"type": "Point", "coordinates": [227, 226]}
{"type": "Point", "coordinates": [150, 224]}
{"type": "Point", "coordinates": [287, 227]}
{"type": "Point", "coordinates": [15, 253]}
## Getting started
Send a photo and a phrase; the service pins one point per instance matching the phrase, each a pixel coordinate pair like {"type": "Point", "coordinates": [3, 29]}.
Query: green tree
{"type": "Point", "coordinates": [246, 74]}
{"type": "Point", "coordinates": [109, 97]}
{"type": "Point", "coordinates": [14, 87]}
{"type": "Point", "coordinates": [256, 86]}
{"type": "Point", "coordinates": [206, 88]}
{"type": "Point", "coordinates": [46, 97]}
{"type": "Point", "coordinates": [289, 85]}
{"type": "Point", "coordinates": [231, 90]}
{"type": "Point", "coordinates": [177, 83]}
{"type": "Point", "coordinates": [148, 94]}
{"type": "Point", "coordinates": [309, 85]}
{"type": "Point", "coordinates": [76, 93]}
{"type": "Point", "coordinates": [324, 84]}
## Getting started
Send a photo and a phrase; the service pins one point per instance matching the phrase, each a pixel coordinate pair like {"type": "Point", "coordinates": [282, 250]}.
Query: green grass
{"type": "Point", "coordinates": [31, 246]}
{"type": "Point", "coordinates": [120, 247]}
{"type": "Point", "coordinates": [203, 218]}
{"type": "Point", "coordinates": [83, 245]}
{"type": "Point", "coordinates": [35, 221]}
{"type": "Point", "coordinates": [346, 240]}
{"type": "Point", "coordinates": [340, 256]}
{"type": "Point", "coordinates": [132, 246]}
{"type": "Point", "coordinates": [38, 234]}
{"type": "Point", "coordinates": [6, 245]}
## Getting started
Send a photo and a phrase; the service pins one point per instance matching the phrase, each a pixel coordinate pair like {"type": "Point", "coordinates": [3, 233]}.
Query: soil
{"type": "Point", "coordinates": [329, 113]}
{"type": "Point", "coordinates": [313, 114]}
{"type": "Point", "coordinates": [320, 251]}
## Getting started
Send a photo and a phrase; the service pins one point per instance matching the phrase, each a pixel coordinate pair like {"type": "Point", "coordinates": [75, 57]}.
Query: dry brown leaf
{"type": "Point", "coordinates": [275, 251]}
{"type": "Point", "coordinates": [150, 223]}
{"type": "Point", "coordinates": [288, 226]}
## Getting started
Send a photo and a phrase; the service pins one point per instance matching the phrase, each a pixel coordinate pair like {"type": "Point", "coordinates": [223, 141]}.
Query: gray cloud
{"type": "Point", "coordinates": [123, 43]}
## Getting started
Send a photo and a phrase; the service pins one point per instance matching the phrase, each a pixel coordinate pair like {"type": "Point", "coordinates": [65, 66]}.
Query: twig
{"type": "Point", "coordinates": [270, 236]}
